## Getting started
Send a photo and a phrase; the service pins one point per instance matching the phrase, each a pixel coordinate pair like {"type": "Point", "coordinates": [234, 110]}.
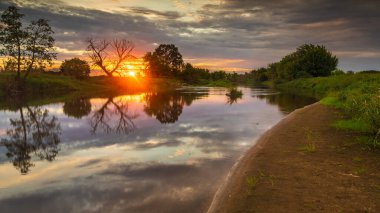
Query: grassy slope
{"type": "Point", "coordinates": [358, 95]}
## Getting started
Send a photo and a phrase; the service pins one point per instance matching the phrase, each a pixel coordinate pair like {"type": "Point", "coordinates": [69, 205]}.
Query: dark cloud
{"type": "Point", "coordinates": [258, 32]}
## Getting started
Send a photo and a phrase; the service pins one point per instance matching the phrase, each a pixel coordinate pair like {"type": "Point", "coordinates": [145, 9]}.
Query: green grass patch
{"type": "Point", "coordinates": [331, 101]}
{"type": "Point", "coordinates": [368, 141]}
{"type": "Point", "coordinates": [352, 124]}
{"type": "Point", "coordinates": [358, 95]}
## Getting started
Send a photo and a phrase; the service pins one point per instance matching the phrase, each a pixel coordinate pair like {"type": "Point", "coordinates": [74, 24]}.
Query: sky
{"type": "Point", "coordinates": [233, 35]}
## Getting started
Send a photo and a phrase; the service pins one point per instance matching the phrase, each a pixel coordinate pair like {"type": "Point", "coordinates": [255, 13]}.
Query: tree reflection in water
{"type": "Point", "coordinates": [77, 108]}
{"type": "Point", "coordinates": [35, 132]}
{"type": "Point", "coordinates": [286, 102]}
{"type": "Point", "coordinates": [166, 107]}
{"type": "Point", "coordinates": [113, 116]}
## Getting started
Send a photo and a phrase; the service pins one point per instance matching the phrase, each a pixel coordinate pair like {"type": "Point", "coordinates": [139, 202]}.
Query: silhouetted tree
{"type": "Point", "coordinates": [166, 60]}
{"type": "Point", "coordinates": [194, 75]}
{"type": "Point", "coordinates": [75, 67]}
{"type": "Point", "coordinates": [35, 132]}
{"type": "Point", "coordinates": [110, 55]}
{"type": "Point", "coordinates": [77, 108]}
{"type": "Point", "coordinates": [28, 47]}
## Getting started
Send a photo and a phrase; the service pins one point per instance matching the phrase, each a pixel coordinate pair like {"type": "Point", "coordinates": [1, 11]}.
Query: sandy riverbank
{"type": "Point", "coordinates": [303, 164]}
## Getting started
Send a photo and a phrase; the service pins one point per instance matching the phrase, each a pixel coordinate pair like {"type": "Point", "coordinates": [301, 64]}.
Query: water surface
{"type": "Point", "coordinates": [154, 152]}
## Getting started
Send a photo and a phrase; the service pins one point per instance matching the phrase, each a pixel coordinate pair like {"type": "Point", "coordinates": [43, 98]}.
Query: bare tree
{"type": "Point", "coordinates": [109, 55]}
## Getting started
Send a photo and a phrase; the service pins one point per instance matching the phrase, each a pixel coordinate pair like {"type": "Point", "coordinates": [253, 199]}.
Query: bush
{"type": "Point", "coordinates": [337, 72]}
{"type": "Point", "coordinates": [76, 68]}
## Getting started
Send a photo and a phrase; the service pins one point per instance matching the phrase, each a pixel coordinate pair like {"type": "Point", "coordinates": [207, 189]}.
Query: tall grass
{"type": "Point", "coordinates": [357, 94]}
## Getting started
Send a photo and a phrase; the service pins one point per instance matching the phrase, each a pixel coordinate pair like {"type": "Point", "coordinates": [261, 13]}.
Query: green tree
{"type": "Point", "coordinates": [13, 36]}
{"type": "Point", "coordinates": [27, 46]}
{"type": "Point", "coordinates": [75, 67]}
{"type": "Point", "coordinates": [194, 75]}
{"type": "Point", "coordinates": [316, 60]}
{"type": "Point", "coordinates": [308, 61]}
{"type": "Point", "coordinates": [166, 60]}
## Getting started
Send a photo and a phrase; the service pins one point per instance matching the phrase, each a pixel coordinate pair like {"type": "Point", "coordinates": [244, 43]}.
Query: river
{"type": "Point", "coordinates": [149, 152]}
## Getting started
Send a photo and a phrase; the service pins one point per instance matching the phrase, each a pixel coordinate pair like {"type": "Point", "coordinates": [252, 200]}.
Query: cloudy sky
{"type": "Point", "coordinates": [218, 34]}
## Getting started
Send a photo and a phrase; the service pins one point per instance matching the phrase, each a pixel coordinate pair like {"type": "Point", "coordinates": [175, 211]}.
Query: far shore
{"type": "Point", "coordinates": [303, 164]}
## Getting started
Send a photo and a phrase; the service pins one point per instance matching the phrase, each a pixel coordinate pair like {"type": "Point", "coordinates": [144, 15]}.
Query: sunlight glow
{"type": "Point", "coordinates": [132, 74]}
{"type": "Point", "coordinates": [133, 68]}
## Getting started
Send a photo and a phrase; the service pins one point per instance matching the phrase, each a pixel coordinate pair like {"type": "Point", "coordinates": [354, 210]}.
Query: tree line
{"type": "Point", "coordinates": [307, 61]}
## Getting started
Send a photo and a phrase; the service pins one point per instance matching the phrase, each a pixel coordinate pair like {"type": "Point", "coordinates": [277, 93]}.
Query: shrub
{"type": "Point", "coordinates": [76, 68]}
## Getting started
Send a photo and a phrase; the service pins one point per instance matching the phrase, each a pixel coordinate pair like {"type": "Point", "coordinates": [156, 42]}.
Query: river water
{"type": "Point", "coordinates": [149, 152]}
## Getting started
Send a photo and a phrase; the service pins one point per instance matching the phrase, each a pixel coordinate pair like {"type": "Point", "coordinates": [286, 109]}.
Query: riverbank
{"type": "Point", "coordinates": [303, 164]}
{"type": "Point", "coordinates": [357, 95]}
{"type": "Point", "coordinates": [48, 88]}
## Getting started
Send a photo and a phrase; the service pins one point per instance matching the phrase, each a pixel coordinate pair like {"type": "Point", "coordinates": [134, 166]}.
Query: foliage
{"type": "Point", "coordinates": [337, 72]}
{"type": "Point", "coordinates": [75, 67]}
{"type": "Point", "coordinates": [27, 47]}
{"type": "Point", "coordinates": [307, 61]}
{"type": "Point", "coordinates": [193, 75]}
{"type": "Point", "coordinates": [357, 94]}
{"type": "Point", "coordinates": [233, 95]}
{"type": "Point", "coordinates": [165, 61]}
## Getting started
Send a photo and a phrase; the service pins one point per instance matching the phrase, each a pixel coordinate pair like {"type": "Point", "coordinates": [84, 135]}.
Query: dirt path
{"type": "Point", "coordinates": [304, 165]}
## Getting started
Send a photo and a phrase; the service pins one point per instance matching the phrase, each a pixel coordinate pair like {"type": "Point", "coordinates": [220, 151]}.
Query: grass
{"type": "Point", "coordinates": [352, 124]}
{"type": "Point", "coordinates": [251, 182]}
{"type": "Point", "coordinates": [40, 88]}
{"type": "Point", "coordinates": [309, 146]}
{"type": "Point", "coordinates": [358, 95]}
{"type": "Point", "coordinates": [331, 101]}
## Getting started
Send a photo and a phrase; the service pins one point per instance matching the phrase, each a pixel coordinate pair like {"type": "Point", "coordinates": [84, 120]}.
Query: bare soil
{"type": "Point", "coordinates": [304, 165]}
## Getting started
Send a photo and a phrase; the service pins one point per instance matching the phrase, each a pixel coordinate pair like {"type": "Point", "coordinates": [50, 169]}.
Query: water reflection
{"type": "Point", "coordinates": [233, 99]}
{"type": "Point", "coordinates": [286, 102]}
{"type": "Point", "coordinates": [77, 108]}
{"type": "Point", "coordinates": [173, 150]}
{"type": "Point", "coordinates": [113, 117]}
{"type": "Point", "coordinates": [34, 132]}
{"type": "Point", "coordinates": [166, 107]}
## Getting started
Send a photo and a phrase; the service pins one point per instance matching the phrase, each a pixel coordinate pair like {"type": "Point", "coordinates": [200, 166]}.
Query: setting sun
{"type": "Point", "coordinates": [131, 73]}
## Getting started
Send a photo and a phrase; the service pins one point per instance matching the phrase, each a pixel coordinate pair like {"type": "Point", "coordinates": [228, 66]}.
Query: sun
{"type": "Point", "coordinates": [131, 73]}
